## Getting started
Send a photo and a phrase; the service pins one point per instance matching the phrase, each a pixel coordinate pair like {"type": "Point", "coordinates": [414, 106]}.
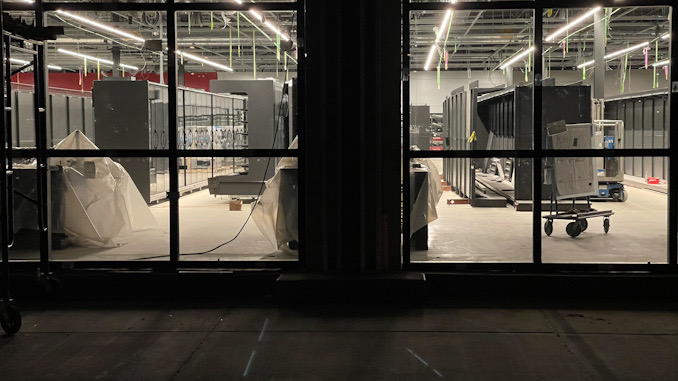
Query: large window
{"type": "Point", "coordinates": [128, 91]}
{"type": "Point", "coordinates": [477, 78]}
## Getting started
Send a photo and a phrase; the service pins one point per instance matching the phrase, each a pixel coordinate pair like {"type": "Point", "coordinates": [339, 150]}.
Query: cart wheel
{"type": "Point", "coordinates": [51, 287]}
{"type": "Point", "coordinates": [625, 196]}
{"type": "Point", "coordinates": [573, 229]}
{"type": "Point", "coordinates": [548, 227]}
{"type": "Point", "coordinates": [10, 319]}
{"type": "Point", "coordinates": [606, 225]}
{"type": "Point", "coordinates": [584, 224]}
{"type": "Point", "coordinates": [616, 196]}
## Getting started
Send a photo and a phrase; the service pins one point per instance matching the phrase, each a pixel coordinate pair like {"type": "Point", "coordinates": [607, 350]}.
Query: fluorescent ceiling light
{"type": "Point", "coordinates": [70, 53]}
{"type": "Point", "coordinates": [100, 60]}
{"type": "Point", "coordinates": [629, 49]}
{"type": "Point", "coordinates": [430, 57]}
{"type": "Point", "coordinates": [516, 57]}
{"type": "Point", "coordinates": [276, 30]}
{"type": "Point", "coordinates": [587, 63]}
{"type": "Point", "coordinates": [205, 61]}
{"type": "Point", "coordinates": [257, 15]}
{"type": "Point", "coordinates": [442, 28]}
{"type": "Point", "coordinates": [22, 62]}
{"type": "Point", "coordinates": [661, 63]}
{"type": "Point", "coordinates": [574, 22]}
{"type": "Point", "coordinates": [666, 36]}
{"type": "Point", "coordinates": [101, 26]}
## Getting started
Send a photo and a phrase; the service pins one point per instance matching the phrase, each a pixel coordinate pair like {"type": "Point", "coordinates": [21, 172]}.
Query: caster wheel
{"type": "Point", "coordinates": [584, 224]}
{"type": "Point", "coordinates": [625, 196]}
{"type": "Point", "coordinates": [52, 288]}
{"type": "Point", "coordinates": [573, 229]}
{"type": "Point", "coordinates": [606, 225]}
{"type": "Point", "coordinates": [616, 196]}
{"type": "Point", "coordinates": [10, 319]}
{"type": "Point", "coordinates": [548, 227]}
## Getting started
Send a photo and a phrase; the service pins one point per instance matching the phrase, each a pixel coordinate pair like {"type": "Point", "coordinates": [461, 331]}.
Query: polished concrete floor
{"type": "Point", "coordinates": [205, 222]}
{"type": "Point", "coordinates": [638, 234]}
{"type": "Point", "coordinates": [462, 233]}
{"type": "Point", "coordinates": [341, 343]}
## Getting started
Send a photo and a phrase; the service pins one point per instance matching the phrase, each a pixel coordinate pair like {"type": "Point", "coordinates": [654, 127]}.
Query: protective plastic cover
{"type": "Point", "coordinates": [101, 202]}
{"type": "Point", "coordinates": [424, 208]}
{"type": "Point", "coordinates": [277, 219]}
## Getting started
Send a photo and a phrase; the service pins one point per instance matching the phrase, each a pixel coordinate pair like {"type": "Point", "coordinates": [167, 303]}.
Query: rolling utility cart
{"type": "Point", "coordinates": [609, 134]}
{"type": "Point", "coordinates": [572, 178]}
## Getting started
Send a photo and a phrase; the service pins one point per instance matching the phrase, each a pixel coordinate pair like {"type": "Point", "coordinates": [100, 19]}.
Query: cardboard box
{"type": "Point", "coordinates": [235, 205]}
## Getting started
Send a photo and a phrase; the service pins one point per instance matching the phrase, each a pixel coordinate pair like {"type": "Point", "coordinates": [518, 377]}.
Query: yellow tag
{"type": "Point", "coordinates": [473, 137]}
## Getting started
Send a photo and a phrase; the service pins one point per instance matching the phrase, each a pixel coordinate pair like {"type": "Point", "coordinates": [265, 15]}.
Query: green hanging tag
{"type": "Point", "coordinates": [438, 79]}
{"type": "Point", "coordinates": [98, 70]}
{"type": "Point", "coordinates": [549, 12]}
{"type": "Point", "coordinates": [238, 26]}
{"type": "Point", "coordinates": [277, 46]}
{"type": "Point", "coordinates": [285, 62]}
{"type": "Point", "coordinates": [526, 79]}
{"type": "Point", "coordinates": [211, 20]}
{"type": "Point", "coordinates": [455, 45]}
{"type": "Point", "coordinates": [182, 58]}
{"type": "Point", "coordinates": [85, 66]}
{"type": "Point", "coordinates": [529, 58]}
{"type": "Point", "coordinates": [583, 73]}
{"type": "Point", "coordinates": [189, 22]}
{"type": "Point", "coordinates": [654, 77]}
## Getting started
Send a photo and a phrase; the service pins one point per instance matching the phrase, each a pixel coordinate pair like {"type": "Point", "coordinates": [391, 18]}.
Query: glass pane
{"type": "Point", "coordinates": [632, 67]}
{"type": "Point", "coordinates": [227, 216]}
{"type": "Point", "coordinates": [237, 73]}
{"type": "Point", "coordinates": [24, 215]}
{"type": "Point", "coordinates": [99, 211]}
{"type": "Point", "coordinates": [108, 84]}
{"type": "Point", "coordinates": [469, 79]}
{"type": "Point", "coordinates": [471, 210]}
{"type": "Point", "coordinates": [624, 219]}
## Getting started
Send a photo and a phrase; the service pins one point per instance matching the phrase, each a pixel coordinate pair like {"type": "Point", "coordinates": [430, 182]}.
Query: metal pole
{"type": "Point", "coordinates": [116, 60]}
{"type": "Point", "coordinates": [537, 126]}
{"type": "Point", "coordinates": [598, 55]}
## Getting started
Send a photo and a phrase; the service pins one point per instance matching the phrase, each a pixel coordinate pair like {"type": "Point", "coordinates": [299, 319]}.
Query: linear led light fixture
{"type": "Point", "coordinates": [629, 49]}
{"type": "Point", "coordinates": [100, 60]}
{"type": "Point", "coordinates": [666, 36]}
{"type": "Point", "coordinates": [22, 62]}
{"type": "Point", "coordinates": [661, 63]}
{"type": "Point", "coordinates": [206, 62]}
{"type": "Point", "coordinates": [516, 57]}
{"type": "Point", "coordinates": [615, 54]}
{"type": "Point", "coordinates": [276, 30]}
{"type": "Point", "coordinates": [430, 57]}
{"type": "Point", "coordinates": [574, 22]}
{"type": "Point", "coordinates": [101, 26]}
{"type": "Point", "coordinates": [441, 30]}
{"type": "Point", "coordinates": [585, 64]}
{"type": "Point", "coordinates": [257, 15]}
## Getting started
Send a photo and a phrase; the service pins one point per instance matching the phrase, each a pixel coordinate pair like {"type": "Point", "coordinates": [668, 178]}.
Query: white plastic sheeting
{"type": "Point", "coordinates": [423, 210]}
{"type": "Point", "coordinates": [101, 202]}
{"type": "Point", "coordinates": [277, 220]}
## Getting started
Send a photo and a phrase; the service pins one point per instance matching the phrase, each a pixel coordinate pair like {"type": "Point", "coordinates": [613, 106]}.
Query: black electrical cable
{"type": "Point", "coordinates": [261, 189]}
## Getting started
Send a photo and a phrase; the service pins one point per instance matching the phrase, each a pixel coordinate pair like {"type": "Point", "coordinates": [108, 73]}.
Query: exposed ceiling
{"type": "Point", "coordinates": [216, 36]}
{"type": "Point", "coordinates": [485, 39]}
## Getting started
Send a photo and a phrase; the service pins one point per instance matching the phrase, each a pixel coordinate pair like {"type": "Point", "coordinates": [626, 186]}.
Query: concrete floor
{"type": "Point", "coordinates": [638, 234]}
{"type": "Point", "coordinates": [341, 343]}
{"type": "Point", "coordinates": [205, 222]}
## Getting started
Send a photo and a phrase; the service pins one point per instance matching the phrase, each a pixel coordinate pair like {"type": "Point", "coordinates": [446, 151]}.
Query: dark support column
{"type": "Point", "coordinates": [599, 54]}
{"type": "Point", "coordinates": [352, 173]}
{"type": "Point", "coordinates": [182, 74]}
{"type": "Point", "coordinates": [116, 60]}
{"type": "Point", "coordinates": [537, 125]}
{"type": "Point", "coordinates": [509, 76]}
{"type": "Point", "coordinates": [173, 194]}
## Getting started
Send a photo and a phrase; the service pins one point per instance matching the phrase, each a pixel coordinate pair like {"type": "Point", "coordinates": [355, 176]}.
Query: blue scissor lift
{"type": "Point", "coordinates": [609, 134]}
